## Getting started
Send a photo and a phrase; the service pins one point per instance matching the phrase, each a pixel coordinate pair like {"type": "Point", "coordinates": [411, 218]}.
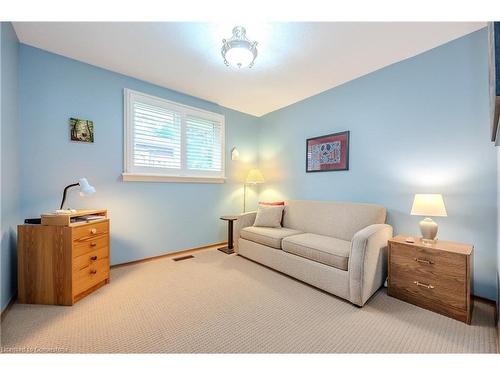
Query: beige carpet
{"type": "Point", "coordinates": [219, 303]}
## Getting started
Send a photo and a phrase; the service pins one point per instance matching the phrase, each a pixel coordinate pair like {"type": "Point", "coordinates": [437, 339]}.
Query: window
{"type": "Point", "coordinates": [166, 141]}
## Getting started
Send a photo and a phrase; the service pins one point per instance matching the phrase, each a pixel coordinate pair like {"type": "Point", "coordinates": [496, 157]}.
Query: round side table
{"type": "Point", "coordinates": [229, 249]}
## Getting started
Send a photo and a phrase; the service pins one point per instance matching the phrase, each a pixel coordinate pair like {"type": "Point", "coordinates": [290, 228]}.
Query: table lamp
{"type": "Point", "coordinates": [254, 177]}
{"type": "Point", "coordinates": [428, 205]}
{"type": "Point", "coordinates": [85, 189]}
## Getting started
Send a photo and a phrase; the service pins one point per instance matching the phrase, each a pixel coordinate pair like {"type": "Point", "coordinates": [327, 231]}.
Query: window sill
{"type": "Point", "coordinates": [147, 177]}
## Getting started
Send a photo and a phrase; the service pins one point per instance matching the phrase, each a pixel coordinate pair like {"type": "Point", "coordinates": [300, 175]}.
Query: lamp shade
{"type": "Point", "coordinates": [254, 177]}
{"type": "Point", "coordinates": [428, 205]}
{"type": "Point", "coordinates": [85, 187]}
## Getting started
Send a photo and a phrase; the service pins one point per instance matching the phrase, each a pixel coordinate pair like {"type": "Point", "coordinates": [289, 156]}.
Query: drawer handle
{"type": "Point", "coordinates": [92, 244]}
{"type": "Point", "coordinates": [93, 231]}
{"type": "Point", "coordinates": [428, 286]}
{"type": "Point", "coordinates": [423, 261]}
{"type": "Point", "coordinates": [94, 257]}
{"type": "Point", "coordinates": [93, 272]}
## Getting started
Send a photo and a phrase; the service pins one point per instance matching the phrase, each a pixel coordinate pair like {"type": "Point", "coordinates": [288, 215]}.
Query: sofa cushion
{"type": "Point", "coordinates": [323, 249]}
{"type": "Point", "coordinates": [269, 216]}
{"type": "Point", "coordinates": [278, 203]}
{"type": "Point", "coordinates": [267, 236]}
{"type": "Point", "coordinates": [335, 219]}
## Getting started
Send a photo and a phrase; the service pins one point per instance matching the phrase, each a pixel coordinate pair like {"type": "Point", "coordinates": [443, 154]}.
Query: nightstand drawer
{"type": "Point", "coordinates": [87, 277]}
{"type": "Point", "coordinates": [440, 290]}
{"type": "Point", "coordinates": [90, 244]}
{"type": "Point", "coordinates": [90, 230]}
{"type": "Point", "coordinates": [428, 261]}
{"type": "Point", "coordinates": [90, 258]}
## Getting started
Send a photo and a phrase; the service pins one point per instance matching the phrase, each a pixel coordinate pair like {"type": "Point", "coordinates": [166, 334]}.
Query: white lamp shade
{"type": "Point", "coordinates": [85, 187]}
{"type": "Point", "coordinates": [239, 57]}
{"type": "Point", "coordinates": [428, 205]}
{"type": "Point", "coordinates": [254, 177]}
{"type": "Point", "coordinates": [235, 154]}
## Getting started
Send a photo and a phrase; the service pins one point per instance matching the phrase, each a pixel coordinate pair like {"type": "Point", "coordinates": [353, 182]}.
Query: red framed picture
{"type": "Point", "coordinates": [328, 153]}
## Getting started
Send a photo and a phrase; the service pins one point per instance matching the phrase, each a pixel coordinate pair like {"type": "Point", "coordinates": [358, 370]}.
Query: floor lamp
{"type": "Point", "coordinates": [254, 177]}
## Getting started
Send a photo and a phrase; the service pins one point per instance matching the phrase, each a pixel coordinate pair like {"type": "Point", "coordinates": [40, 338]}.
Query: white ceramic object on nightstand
{"type": "Point", "coordinates": [429, 229]}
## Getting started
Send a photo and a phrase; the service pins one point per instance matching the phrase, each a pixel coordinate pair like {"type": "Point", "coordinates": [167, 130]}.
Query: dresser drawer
{"type": "Point", "coordinates": [90, 230]}
{"type": "Point", "coordinates": [86, 245]}
{"type": "Point", "coordinates": [89, 276]}
{"type": "Point", "coordinates": [429, 262]}
{"type": "Point", "coordinates": [438, 290]}
{"type": "Point", "coordinates": [90, 258]}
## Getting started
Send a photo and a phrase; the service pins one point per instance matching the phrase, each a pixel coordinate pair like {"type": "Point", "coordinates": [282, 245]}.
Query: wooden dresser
{"type": "Point", "coordinates": [436, 277]}
{"type": "Point", "coordinates": [63, 259]}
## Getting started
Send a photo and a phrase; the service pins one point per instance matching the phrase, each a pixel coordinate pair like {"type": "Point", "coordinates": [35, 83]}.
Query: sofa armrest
{"type": "Point", "coordinates": [368, 262]}
{"type": "Point", "coordinates": [244, 220]}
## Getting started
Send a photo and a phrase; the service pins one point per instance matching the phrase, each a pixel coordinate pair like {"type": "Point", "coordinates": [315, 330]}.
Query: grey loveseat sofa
{"type": "Point", "coordinates": [336, 246]}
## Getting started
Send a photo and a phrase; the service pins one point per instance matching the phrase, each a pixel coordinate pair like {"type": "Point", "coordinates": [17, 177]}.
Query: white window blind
{"type": "Point", "coordinates": [157, 137]}
{"type": "Point", "coordinates": [166, 141]}
{"type": "Point", "coordinates": [203, 148]}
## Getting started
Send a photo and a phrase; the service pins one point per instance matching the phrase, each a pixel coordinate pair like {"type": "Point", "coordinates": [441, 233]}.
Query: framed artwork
{"type": "Point", "coordinates": [81, 130]}
{"type": "Point", "coordinates": [328, 153]}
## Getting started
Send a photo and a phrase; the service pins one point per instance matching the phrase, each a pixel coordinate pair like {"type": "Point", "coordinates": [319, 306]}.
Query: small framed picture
{"type": "Point", "coordinates": [328, 153]}
{"type": "Point", "coordinates": [81, 130]}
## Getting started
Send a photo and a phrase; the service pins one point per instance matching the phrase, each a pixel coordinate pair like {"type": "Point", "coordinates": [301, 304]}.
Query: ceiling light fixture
{"type": "Point", "coordinates": [238, 50]}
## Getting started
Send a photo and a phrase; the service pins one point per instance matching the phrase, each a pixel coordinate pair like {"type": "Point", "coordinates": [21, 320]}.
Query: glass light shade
{"type": "Point", "coordinates": [235, 154]}
{"type": "Point", "coordinates": [239, 57]}
{"type": "Point", "coordinates": [254, 177]}
{"type": "Point", "coordinates": [85, 187]}
{"type": "Point", "coordinates": [428, 205]}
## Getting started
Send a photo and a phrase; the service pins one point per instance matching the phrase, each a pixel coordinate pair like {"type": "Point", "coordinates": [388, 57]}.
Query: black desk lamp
{"type": "Point", "coordinates": [85, 189]}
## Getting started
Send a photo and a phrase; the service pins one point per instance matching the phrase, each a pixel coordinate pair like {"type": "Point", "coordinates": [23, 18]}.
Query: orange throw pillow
{"type": "Point", "coordinates": [282, 203]}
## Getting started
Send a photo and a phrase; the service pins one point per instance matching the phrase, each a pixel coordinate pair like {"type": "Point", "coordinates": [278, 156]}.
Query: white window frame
{"type": "Point", "coordinates": [131, 173]}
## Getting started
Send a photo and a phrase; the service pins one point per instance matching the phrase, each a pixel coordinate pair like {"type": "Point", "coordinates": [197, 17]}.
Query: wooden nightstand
{"type": "Point", "coordinates": [63, 259]}
{"type": "Point", "coordinates": [436, 277]}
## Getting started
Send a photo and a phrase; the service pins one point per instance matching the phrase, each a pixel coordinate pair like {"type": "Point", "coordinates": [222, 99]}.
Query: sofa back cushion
{"type": "Point", "coordinates": [336, 219]}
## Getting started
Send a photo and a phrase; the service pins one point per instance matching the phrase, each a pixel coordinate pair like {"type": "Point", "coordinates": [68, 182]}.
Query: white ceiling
{"type": "Point", "coordinates": [295, 61]}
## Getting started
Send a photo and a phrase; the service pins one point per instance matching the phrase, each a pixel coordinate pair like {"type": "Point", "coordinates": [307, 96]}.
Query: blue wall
{"type": "Point", "coordinates": [147, 219]}
{"type": "Point", "coordinates": [10, 160]}
{"type": "Point", "coordinates": [421, 125]}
